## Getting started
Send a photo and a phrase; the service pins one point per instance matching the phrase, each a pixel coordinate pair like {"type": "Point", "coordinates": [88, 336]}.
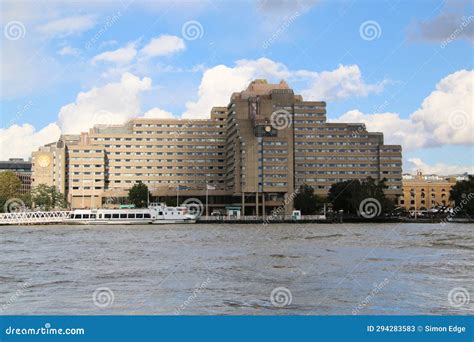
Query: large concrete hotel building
{"type": "Point", "coordinates": [252, 154]}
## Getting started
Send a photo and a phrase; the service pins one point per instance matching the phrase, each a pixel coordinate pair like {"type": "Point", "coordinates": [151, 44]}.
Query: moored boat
{"type": "Point", "coordinates": [154, 214]}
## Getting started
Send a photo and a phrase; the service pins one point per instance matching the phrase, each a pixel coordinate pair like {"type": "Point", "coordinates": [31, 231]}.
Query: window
{"type": "Point", "coordinates": [139, 215]}
{"type": "Point", "coordinates": [86, 216]}
{"type": "Point", "coordinates": [92, 216]}
{"type": "Point", "coordinates": [115, 216]}
{"type": "Point", "coordinates": [123, 215]}
{"type": "Point", "coordinates": [107, 216]}
{"type": "Point", "coordinates": [147, 215]}
{"type": "Point", "coordinates": [132, 216]}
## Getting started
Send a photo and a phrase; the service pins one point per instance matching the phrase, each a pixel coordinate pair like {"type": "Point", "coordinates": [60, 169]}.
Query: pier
{"type": "Point", "coordinates": [33, 217]}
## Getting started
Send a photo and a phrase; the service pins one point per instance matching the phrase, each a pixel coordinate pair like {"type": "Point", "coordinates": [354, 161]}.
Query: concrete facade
{"type": "Point", "coordinates": [253, 153]}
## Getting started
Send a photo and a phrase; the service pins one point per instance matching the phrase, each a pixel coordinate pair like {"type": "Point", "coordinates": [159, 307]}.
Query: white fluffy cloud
{"type": "Point", "coordinates": [344, 82]}
{"type": "Point", "coordinates": [415, 164]}
{"type": "Point", "coordinates": [67, 26]}
{"type": "Point", "coordinates": [219, 82]}
{"type": "Point", "coordinates": [162, 46]}
{"type": "Point", "coordinates": [120, 56]}
{"type": "Point", "coordinates": [395, 129]}
{"type": "Point", "coordinates": [19, 141]}
{"type": "Point", "coordinates": [447, 113]}
{"type": "Point", "coordinates": [113, 103]}
{"type": "Point", "coordinates": [157, 113]}
{"type": "Point", "coordinates": [445, 117]}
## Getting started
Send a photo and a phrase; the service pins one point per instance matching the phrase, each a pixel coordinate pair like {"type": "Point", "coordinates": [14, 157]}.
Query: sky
{"type": "Point", "coordinates": [403, 68]}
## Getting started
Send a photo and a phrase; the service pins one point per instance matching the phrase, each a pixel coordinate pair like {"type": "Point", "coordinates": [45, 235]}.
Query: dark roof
{"type": "Point", "coordinates": [15, 165]}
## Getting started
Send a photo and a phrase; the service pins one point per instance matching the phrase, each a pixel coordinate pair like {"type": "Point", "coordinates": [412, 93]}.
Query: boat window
{"type": "Point", "coordinates": [123, 215]}
{"type": "Point", "coordinates": [131, 215]}
{"type": "Point", "coordinates": [77, 216]}
{"type": "Point", "coordinates": [86, 216]}
{"type": "Point", "coordinates": [139, 215]}
{"type": "Point", "coordinates": [147, 215]}
{"type": "Point", "coordinates": [92, 216]}
{"type": "Point", "coordinates": [161, 213]}
{"type": "Point", "coordinates": [107, 216]}
{"type": "Point", "coordinates": [115, 215]}
{"type": "Point", "coordinates": [100, 216]}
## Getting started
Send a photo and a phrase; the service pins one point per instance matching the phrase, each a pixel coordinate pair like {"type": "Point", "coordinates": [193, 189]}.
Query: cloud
{"type": "Point", "coordinates": [69, 51]}
{"type": "Point", "coordinates": [127, 56]}
{"type": "Point", "coordinates": [219, 82]}
{"type": "Point", "coordinates": [447, 113]}
{"type": "Point", "coordinates": [415, 164]}
{"type": "Point", "coordinates": [113, 103]}
{"type": "Point", "coordinates": [19, 141]}
{"type": "Point", "coordinates": [163, 45]}
{"type": "Point", "coordinates": [120, 56]}
{"type": "Point", "coordinates": [157, 113]}
{"type": "Point", "coordinates": [68, 26]}
{"type": "Point", "coordinates": [344, 82]}
{"type": "Point", "coordinates": [395, 129]}
{"type": "Point", "coordinates": [446, 26]}
{"type": "Point", "coordinates": [444, 118]}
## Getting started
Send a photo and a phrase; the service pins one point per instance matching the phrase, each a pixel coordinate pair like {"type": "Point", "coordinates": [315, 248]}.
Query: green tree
{"type": "Point", "coordinates": [306, 201]}
{"type": "Point", "coordinates": [462, 193]}
{"type": "Point", "coordinates": [48, 197]}
{"type": "Point", "coordinates": [9, 188]}
{"type": "Point", "coordinates": [9, 185]}
{"type": "Point", "coordinates": [138, 195]}
{"type": "Point", "coordinates": [345, 196]}
{"type": "Point", "coordinates": [348, 195]}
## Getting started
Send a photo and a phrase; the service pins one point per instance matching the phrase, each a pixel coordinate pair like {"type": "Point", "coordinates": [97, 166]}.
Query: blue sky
{"type": "Point", "coordinates": [387, 75]}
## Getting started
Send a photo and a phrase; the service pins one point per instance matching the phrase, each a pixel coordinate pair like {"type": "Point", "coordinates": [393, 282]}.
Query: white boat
{"type": "Point", "coordinates": [154, 214]}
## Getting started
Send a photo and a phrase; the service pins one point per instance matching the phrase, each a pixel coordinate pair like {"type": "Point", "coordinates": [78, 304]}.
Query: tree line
{"type": "Point", "coordinates": [349, 197]}
{"type": "Point", "coordinates": [41, 197]}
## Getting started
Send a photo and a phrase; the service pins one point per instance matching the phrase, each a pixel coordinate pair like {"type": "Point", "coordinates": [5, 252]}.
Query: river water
{"type": "Point", "coordinates": [301, 269]}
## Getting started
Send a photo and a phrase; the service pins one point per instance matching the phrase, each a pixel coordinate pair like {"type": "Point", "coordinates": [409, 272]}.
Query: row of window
{"type": "Point", "coordinates": [332, 150]}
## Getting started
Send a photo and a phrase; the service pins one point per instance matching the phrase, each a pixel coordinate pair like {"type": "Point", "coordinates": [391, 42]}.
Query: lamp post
{"type": "Point", "coordinates": [413, 193]}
